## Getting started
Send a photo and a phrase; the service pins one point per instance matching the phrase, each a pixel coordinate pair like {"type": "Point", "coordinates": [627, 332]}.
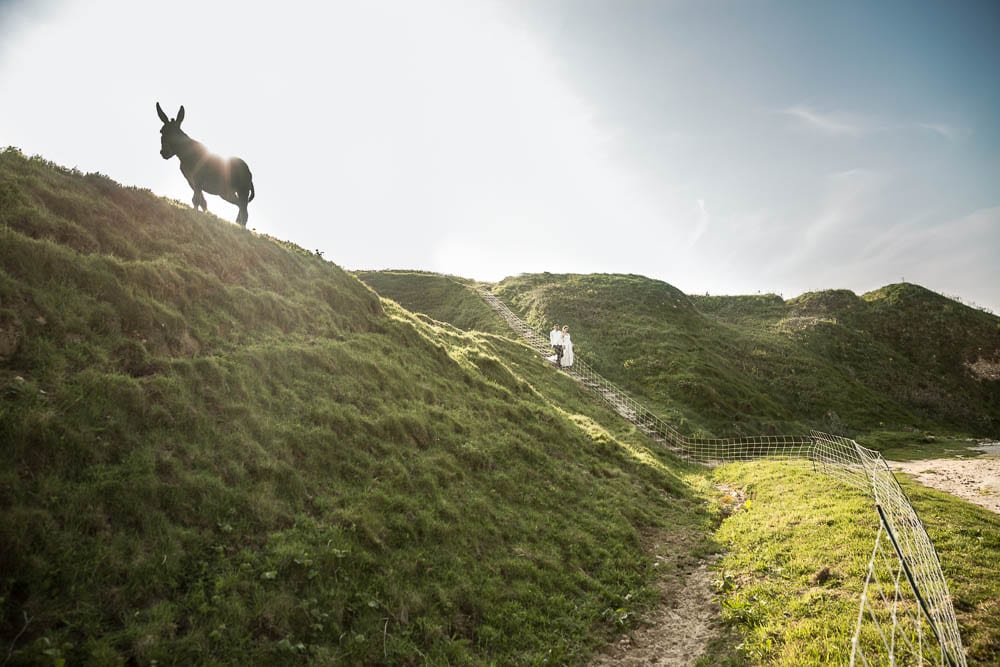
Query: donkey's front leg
{"type": "Point", "coordinates": [199, 200]}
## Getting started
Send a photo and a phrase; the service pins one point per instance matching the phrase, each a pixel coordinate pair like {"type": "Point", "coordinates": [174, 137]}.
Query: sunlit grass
{"type": "Point", "coordinates": [750, 365]}
{"type": "Point", "coordinates": [796, 556]}
{"type": "Point", "coordinates": [223, 449]}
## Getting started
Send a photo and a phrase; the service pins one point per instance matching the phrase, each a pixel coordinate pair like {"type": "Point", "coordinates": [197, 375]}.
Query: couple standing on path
{"type": "Point", "coordinates": [563, 346]}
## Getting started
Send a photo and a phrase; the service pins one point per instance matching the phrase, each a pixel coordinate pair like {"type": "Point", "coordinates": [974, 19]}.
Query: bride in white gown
{"type": "Point", "coordinates": [567, 356]}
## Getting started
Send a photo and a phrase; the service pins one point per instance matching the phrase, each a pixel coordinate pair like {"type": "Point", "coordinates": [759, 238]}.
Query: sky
{"type": "Point", "coordinates": [725, 147]}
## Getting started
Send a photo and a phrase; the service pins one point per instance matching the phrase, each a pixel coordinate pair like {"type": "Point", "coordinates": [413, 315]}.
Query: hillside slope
{"type": "Point", "coordinates": [223, 449]}
{"type": "Point", "coordinates": [903, 357]}
{"type": "Point", "coordinates": [936, 358]}
{"type": "Point", "coordinates": [798, 523]}
{"type": "Point", "coordinates": [898, 358]}
{"type": "Point", "coordinates": [443, 298]}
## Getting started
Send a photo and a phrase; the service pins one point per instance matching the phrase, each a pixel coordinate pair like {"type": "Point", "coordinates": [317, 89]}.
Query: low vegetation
{"type": "Point", "coordinates": [796, 551]}
{"type": "Point", "coordinates": [442, 298]}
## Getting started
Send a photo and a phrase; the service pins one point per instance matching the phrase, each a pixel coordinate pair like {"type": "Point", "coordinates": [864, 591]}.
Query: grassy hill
{"type": "Point", "coordinates": [937, 358]}
{"type": "Point", "coordinates": [220, 448]}
{"type": "Point", "coordinates": [754, 355]}
{"type": "Point", "coordinates": [899, 358]}
{"type": "Point", "coordinates": [443, 298]}
{"type": "Point", "coordinates": [796, 524]}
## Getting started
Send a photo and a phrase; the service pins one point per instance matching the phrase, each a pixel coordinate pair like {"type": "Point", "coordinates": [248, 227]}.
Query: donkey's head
{"type": "Point", "coordinates": [170, 132]}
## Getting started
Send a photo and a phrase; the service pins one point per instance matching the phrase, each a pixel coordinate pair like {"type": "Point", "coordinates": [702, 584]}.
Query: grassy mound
{"type": "Point", "coordinates": [902, 358]}
{"type": "Point", "coordinates": [220, 448]}
{"type": "Point", "coordinates": [442, 298]}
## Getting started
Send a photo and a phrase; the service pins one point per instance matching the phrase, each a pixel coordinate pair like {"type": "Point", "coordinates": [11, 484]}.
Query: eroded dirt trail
{"type": "Point", "coordinates": [677, 632]}
{"type": "Point", "coordinates": [688, 620]}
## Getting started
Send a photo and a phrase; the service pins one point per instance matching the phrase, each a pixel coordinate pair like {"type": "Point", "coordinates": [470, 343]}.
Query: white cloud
{"type": "Point", "coordinates": [828, 122]}
{"type": "Point", "coordinates": [846, 124]}
{"type": "Point", "coordinates": [701, 225]}
{"type": "Point", "coordinates": [950, 132]}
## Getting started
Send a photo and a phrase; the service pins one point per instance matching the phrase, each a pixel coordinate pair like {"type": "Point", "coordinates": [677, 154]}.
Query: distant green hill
{"type": "Point", "coordinates": [899, 358]}
{"type": "Point", "coordinates": [902, 357]}
{"type": "Point", "coordinates": [937, 359]}
{"type": "Point", "coordinates": [222, 449]}
{"type": "Point", "coordinates": [443, 298]}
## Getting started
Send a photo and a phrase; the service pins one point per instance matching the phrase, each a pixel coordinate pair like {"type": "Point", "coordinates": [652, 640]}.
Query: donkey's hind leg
{"type": "Point", "coordinates": [240, 199]}
{"type": "Point", "coordinates": [244, 215]}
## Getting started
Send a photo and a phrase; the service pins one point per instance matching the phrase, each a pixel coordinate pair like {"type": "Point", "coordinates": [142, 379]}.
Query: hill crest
{"type": "Point", "coordinates": [221, 449]}
{"type": "Point", "coordinates": [902, 357]}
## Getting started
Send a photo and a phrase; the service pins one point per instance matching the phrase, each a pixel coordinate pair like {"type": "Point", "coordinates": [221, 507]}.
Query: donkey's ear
{"type": "Point", "coordinates": [180, 115]}
{"type": "Point", "coordinates": [159, 112]}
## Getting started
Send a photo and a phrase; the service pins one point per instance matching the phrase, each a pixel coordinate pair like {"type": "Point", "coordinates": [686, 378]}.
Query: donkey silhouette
{"type": "Point", "coordinates": [229, 178]}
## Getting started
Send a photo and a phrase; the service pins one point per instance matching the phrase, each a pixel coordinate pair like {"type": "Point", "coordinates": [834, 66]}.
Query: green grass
{"type": "Point", "coordinates": [222, 449]}
{"type": "Point", "coordinates": [826, 347]}
{"type": "Point", "coordinates": [902, 358]}
{"type": "Point", "coordinates": [911, 446]}
{"type": "Point", "coordinates": [967, 540]}
{"type": "Point", "coordinates": [796, 523]}
{"type": "Point", "coordinates": [442, 298]}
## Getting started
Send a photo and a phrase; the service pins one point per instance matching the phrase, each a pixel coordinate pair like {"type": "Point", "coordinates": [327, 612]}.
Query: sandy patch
{"type": "Point", "coordinates": [976, 480]}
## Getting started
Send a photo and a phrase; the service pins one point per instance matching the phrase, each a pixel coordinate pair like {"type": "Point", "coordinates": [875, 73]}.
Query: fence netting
{"type": "Point", "coordinates": [905, 616]}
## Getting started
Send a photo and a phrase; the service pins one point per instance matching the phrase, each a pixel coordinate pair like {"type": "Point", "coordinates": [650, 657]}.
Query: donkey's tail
{"type": "Point", "coordinates": [251, 193]}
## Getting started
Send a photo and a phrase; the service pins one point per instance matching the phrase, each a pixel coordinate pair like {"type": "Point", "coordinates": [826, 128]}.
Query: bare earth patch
{"type": "Point", "coordinates": [678, 631]}
{"type": "Point", "coordinates": [976, 480]}
{"type": "Point", "coordinates": [689, 618]}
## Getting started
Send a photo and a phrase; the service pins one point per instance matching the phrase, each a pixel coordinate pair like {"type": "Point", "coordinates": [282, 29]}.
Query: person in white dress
{"type": "Point", "coordinates": [567, 349]}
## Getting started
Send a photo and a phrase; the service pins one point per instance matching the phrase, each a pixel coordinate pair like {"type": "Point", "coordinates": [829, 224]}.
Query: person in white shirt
{"type": "Point", "coordinates": [555, 339]}
{"type": "Point", "coordinates": [566, 358]}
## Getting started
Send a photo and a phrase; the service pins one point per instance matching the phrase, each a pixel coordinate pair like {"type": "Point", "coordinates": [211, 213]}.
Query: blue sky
{"type": "Point", "coordinates": [724, 147]}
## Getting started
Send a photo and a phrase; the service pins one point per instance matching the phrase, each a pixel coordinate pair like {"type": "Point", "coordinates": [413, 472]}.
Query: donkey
{"type": "Point", "coordinates": [229, 178]}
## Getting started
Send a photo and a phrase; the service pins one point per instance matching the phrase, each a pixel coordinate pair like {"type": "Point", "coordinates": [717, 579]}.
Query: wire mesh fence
{"type": "Point", "coordinates": [906, 615]}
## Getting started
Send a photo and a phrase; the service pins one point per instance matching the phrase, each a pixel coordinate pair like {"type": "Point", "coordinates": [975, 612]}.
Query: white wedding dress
{"type": "Point", "coordinates": [567, 358]}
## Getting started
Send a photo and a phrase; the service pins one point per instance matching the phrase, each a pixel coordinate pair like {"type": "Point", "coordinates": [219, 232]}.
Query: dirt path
{"type": "Point", "coordinates": [689, 618]}
{"type": "Point", "coordinates": [677, 632]}
{"type": "Point", "coordinates": [976, 480]}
